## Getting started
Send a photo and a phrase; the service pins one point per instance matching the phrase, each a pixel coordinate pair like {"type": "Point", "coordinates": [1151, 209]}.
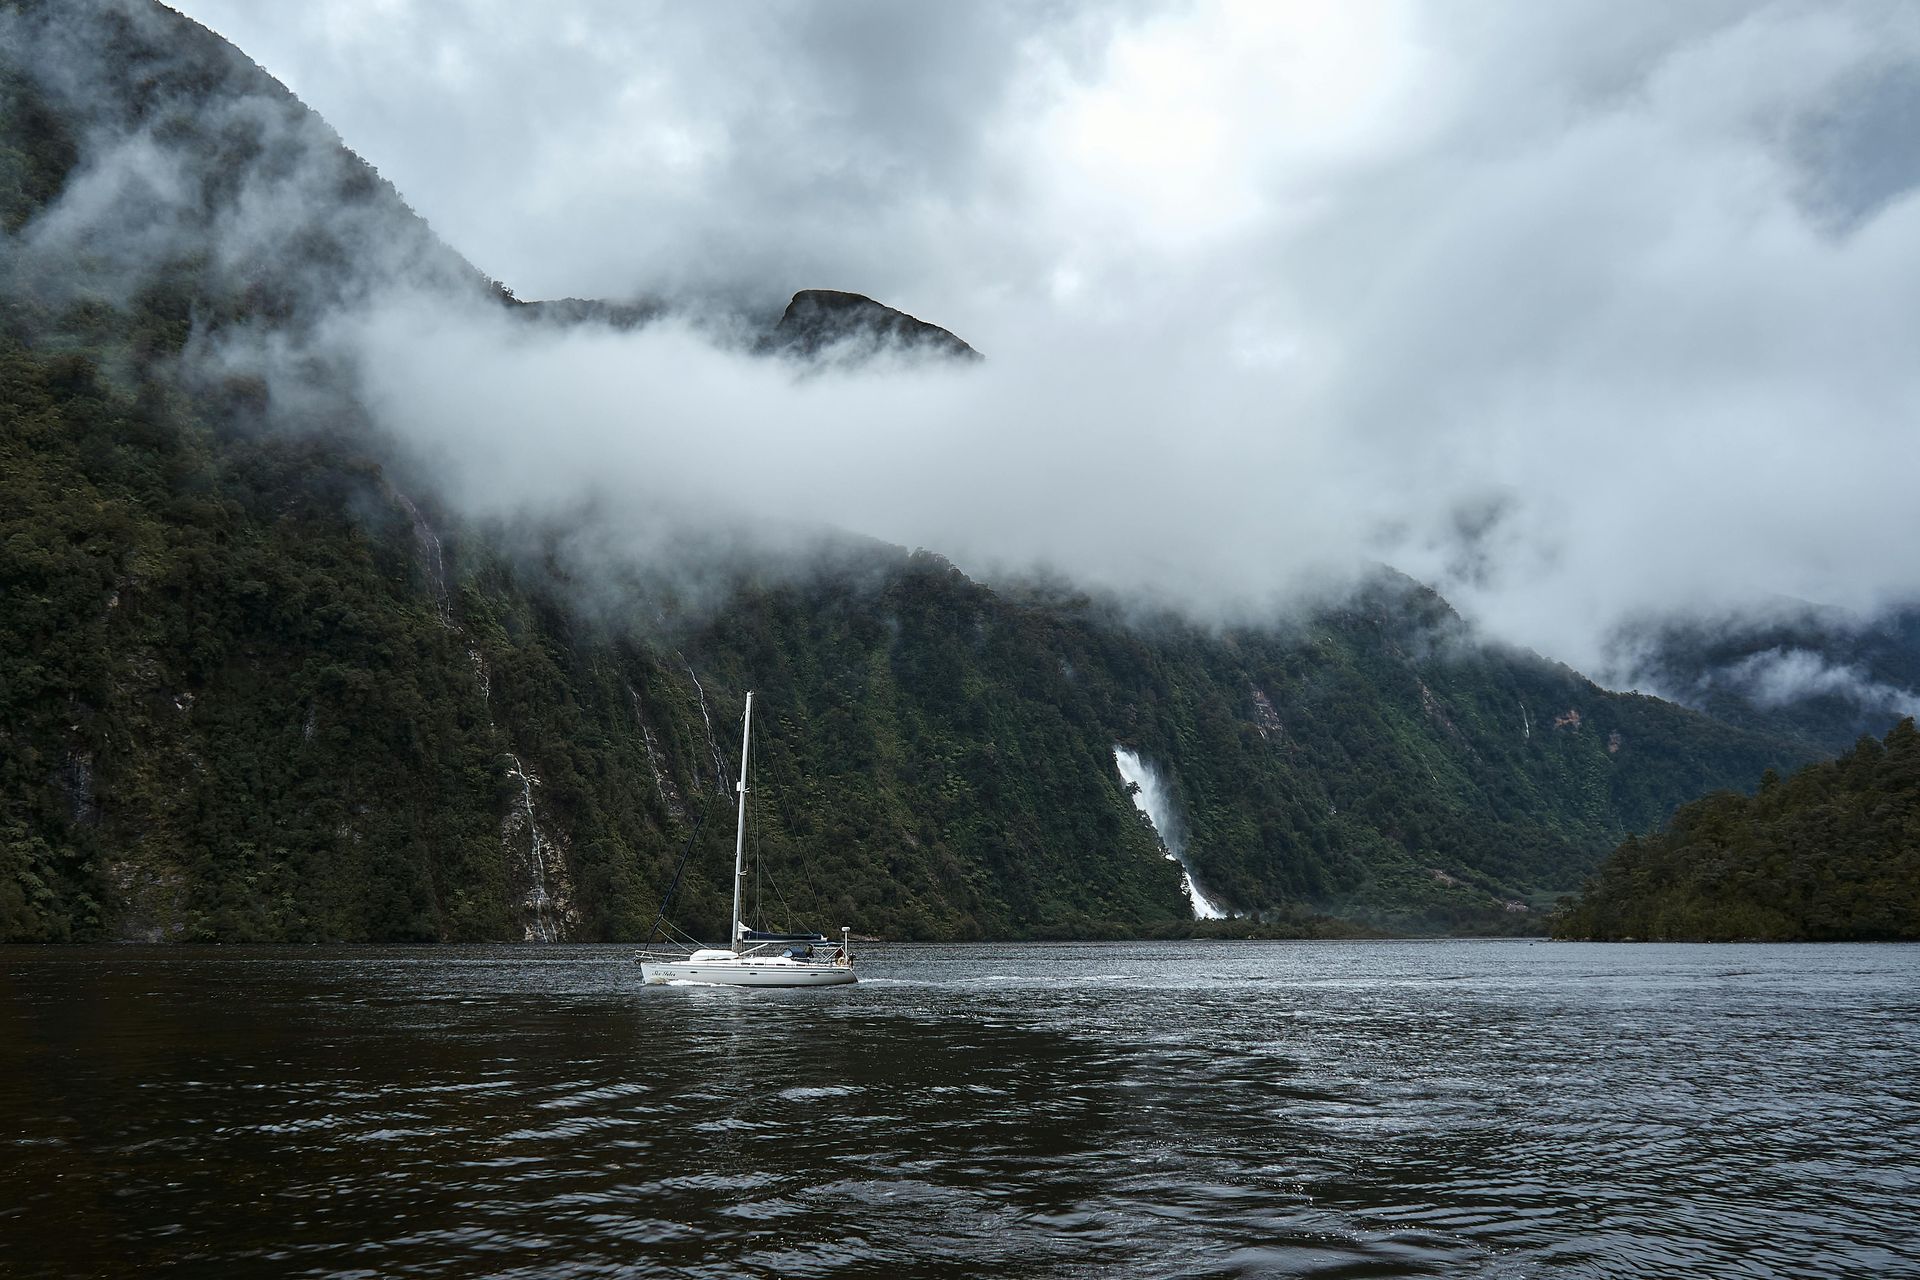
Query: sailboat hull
{"type": "Point", "coordinates": [746, 973]}
{"type": "Point", "coordinates": [755, 965]}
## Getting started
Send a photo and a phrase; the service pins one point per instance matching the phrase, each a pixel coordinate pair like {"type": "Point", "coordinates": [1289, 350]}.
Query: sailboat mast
{"type": "Point", "coordinates": [740, 827]}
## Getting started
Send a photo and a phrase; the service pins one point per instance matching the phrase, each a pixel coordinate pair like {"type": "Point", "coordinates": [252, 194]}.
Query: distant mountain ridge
{"type": "Point", "coordinates": [256, 213]}
{"type": "Point", "coordinates": [1823, 676]}
{"type": "Point", "coordinates": [821, 322]}
{"type": "Point", "coordinates": [258, 682]}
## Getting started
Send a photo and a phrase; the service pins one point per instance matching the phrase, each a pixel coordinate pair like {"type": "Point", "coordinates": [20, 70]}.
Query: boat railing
{"type": "Point", "coordinates": [832, 954]}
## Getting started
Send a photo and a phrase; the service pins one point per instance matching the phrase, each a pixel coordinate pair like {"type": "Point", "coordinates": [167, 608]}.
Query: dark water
{"type": "Point", "coordinates": [1189, 1109]}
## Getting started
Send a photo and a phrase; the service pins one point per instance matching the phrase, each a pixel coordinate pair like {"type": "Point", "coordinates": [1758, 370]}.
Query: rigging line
{"type": "Point", "coordinates": [762, 873]}
{"type": "Point", "coordinates": [784, 805]}
{"type": "Point", "coordinates": [763, 868]}
{"type": "Point", "coordinates": [660, 915]}
{"type": "Point", "coordinates": [807, 880]}
{"type": "Point", "coordinates": [671, 929]}
{"type": "Point", "coordinates": [791, 915]}
{"type": "Point", "coordinates": [788, 825]}
{"type": "Point", "coordinates": [748, 772]}
{"type": "Point", "coordinates": [667, 938]}
{"type": "Point", "coordinates": [760, 867]}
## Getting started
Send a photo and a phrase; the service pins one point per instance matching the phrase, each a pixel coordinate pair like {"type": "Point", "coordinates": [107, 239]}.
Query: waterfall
{"type": "Point", "coordinates": [1150, 797]}
{"type": "Point", "coordinates": [548, 913]}
{"type": "Point", "coordinates": [432, 557]}
{"type": "Point", "coordinates": [480, 674]}
{"type": "Point", "coordinates": [541, 926]}
{"type": "Point", "coordinates": [713, 748]}
{"type": "Point", "coordinates": [662, 785]}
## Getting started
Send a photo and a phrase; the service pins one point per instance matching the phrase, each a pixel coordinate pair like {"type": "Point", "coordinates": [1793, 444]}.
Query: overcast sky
{"type": "Point", "coordinates": [1577, 311]}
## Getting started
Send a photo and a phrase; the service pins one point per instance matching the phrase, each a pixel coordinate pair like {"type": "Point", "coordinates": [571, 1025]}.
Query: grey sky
{"type": "Point", "coordinates": [1577, 310]}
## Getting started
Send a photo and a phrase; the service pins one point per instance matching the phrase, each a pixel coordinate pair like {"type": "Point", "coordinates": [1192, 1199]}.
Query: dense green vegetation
{"type": "Point", "coordinates": [234, 707]}
{"type": "Point", "coordinates": [1830, 853]}
{"type": "Point", "coordinates": [1369, 761]}
{"type": "Point", "coordinates": [256, 683]}
{"type": "Point", "coordinates": [237, 705]}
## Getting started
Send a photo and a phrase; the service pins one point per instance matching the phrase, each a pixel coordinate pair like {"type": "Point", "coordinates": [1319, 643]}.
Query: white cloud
{"type": "Point", "coordinates": [1777, 677]}
{"type": "Point", "coordinates": [1581, 312]}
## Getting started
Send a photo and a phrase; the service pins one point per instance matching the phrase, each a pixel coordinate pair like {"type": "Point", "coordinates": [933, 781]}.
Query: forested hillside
{"type": "Point", "coordinates": [250, 692]}
{"type": "Point", "coordinates": [1831, 853]}
{"type": "Point", "coordinates": [259, 680]}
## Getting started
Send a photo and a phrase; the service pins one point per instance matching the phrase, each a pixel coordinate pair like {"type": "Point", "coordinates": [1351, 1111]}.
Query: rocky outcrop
{"type": "Point", "coordinates": [850, 327]}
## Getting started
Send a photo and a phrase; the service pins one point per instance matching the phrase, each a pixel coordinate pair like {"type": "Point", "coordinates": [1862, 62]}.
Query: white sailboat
{"type": "Point", "coordinates": [754, 959]}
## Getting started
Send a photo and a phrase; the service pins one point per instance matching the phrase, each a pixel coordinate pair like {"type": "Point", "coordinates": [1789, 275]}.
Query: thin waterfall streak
{"type": "Point", "coordinates": [540, 925]}
{"type": "Point", "coordinates": [713, 747]}
{"type": "Point", "coordinates": [544, 911]}
{"type": "Point", "coordinates": [433, 557]}
{"type": "Point", "coordinates": [481, 674]}
{"type": "Point", "coordinates": [662, 785]}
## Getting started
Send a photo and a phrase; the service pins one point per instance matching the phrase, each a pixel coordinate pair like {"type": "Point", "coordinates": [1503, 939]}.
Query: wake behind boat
{"type": "Point", "coordinates": [754, 958]}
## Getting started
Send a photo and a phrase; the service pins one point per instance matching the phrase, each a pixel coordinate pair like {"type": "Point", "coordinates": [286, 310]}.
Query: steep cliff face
{"type": "Point", "coordinates": [256, 682]}
{"type": "Point", "coordinates": [187, 172]}
{"type": "Point", "coordinates": [248, 690]}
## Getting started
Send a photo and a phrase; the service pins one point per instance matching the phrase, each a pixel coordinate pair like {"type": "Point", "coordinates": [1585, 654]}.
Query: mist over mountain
{"type": "Point", "coordinates": [1562, 431]}
{"type": "Point", "coordinates": [352, 596]}
{"type": "Point", "coordinates": [1824, 675]}
{"type": "Point", "coordinates": [179, 163]}
{"type": "Point", "coordinates": [1581, 316]}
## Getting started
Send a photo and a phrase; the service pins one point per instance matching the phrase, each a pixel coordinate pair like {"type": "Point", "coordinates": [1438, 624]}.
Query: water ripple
{"type": "Point", "coordinates": [1187, 1109]}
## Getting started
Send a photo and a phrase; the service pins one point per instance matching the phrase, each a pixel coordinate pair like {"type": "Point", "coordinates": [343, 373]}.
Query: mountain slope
{"type": "Point", "coordinates": [186, 171]}
{"type": "Point", "coordinates": [257, 683]}
{"type": "Point", "coordinates": [253, 693]}
{"type": "Point", "coordinates": [1829, 854]}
